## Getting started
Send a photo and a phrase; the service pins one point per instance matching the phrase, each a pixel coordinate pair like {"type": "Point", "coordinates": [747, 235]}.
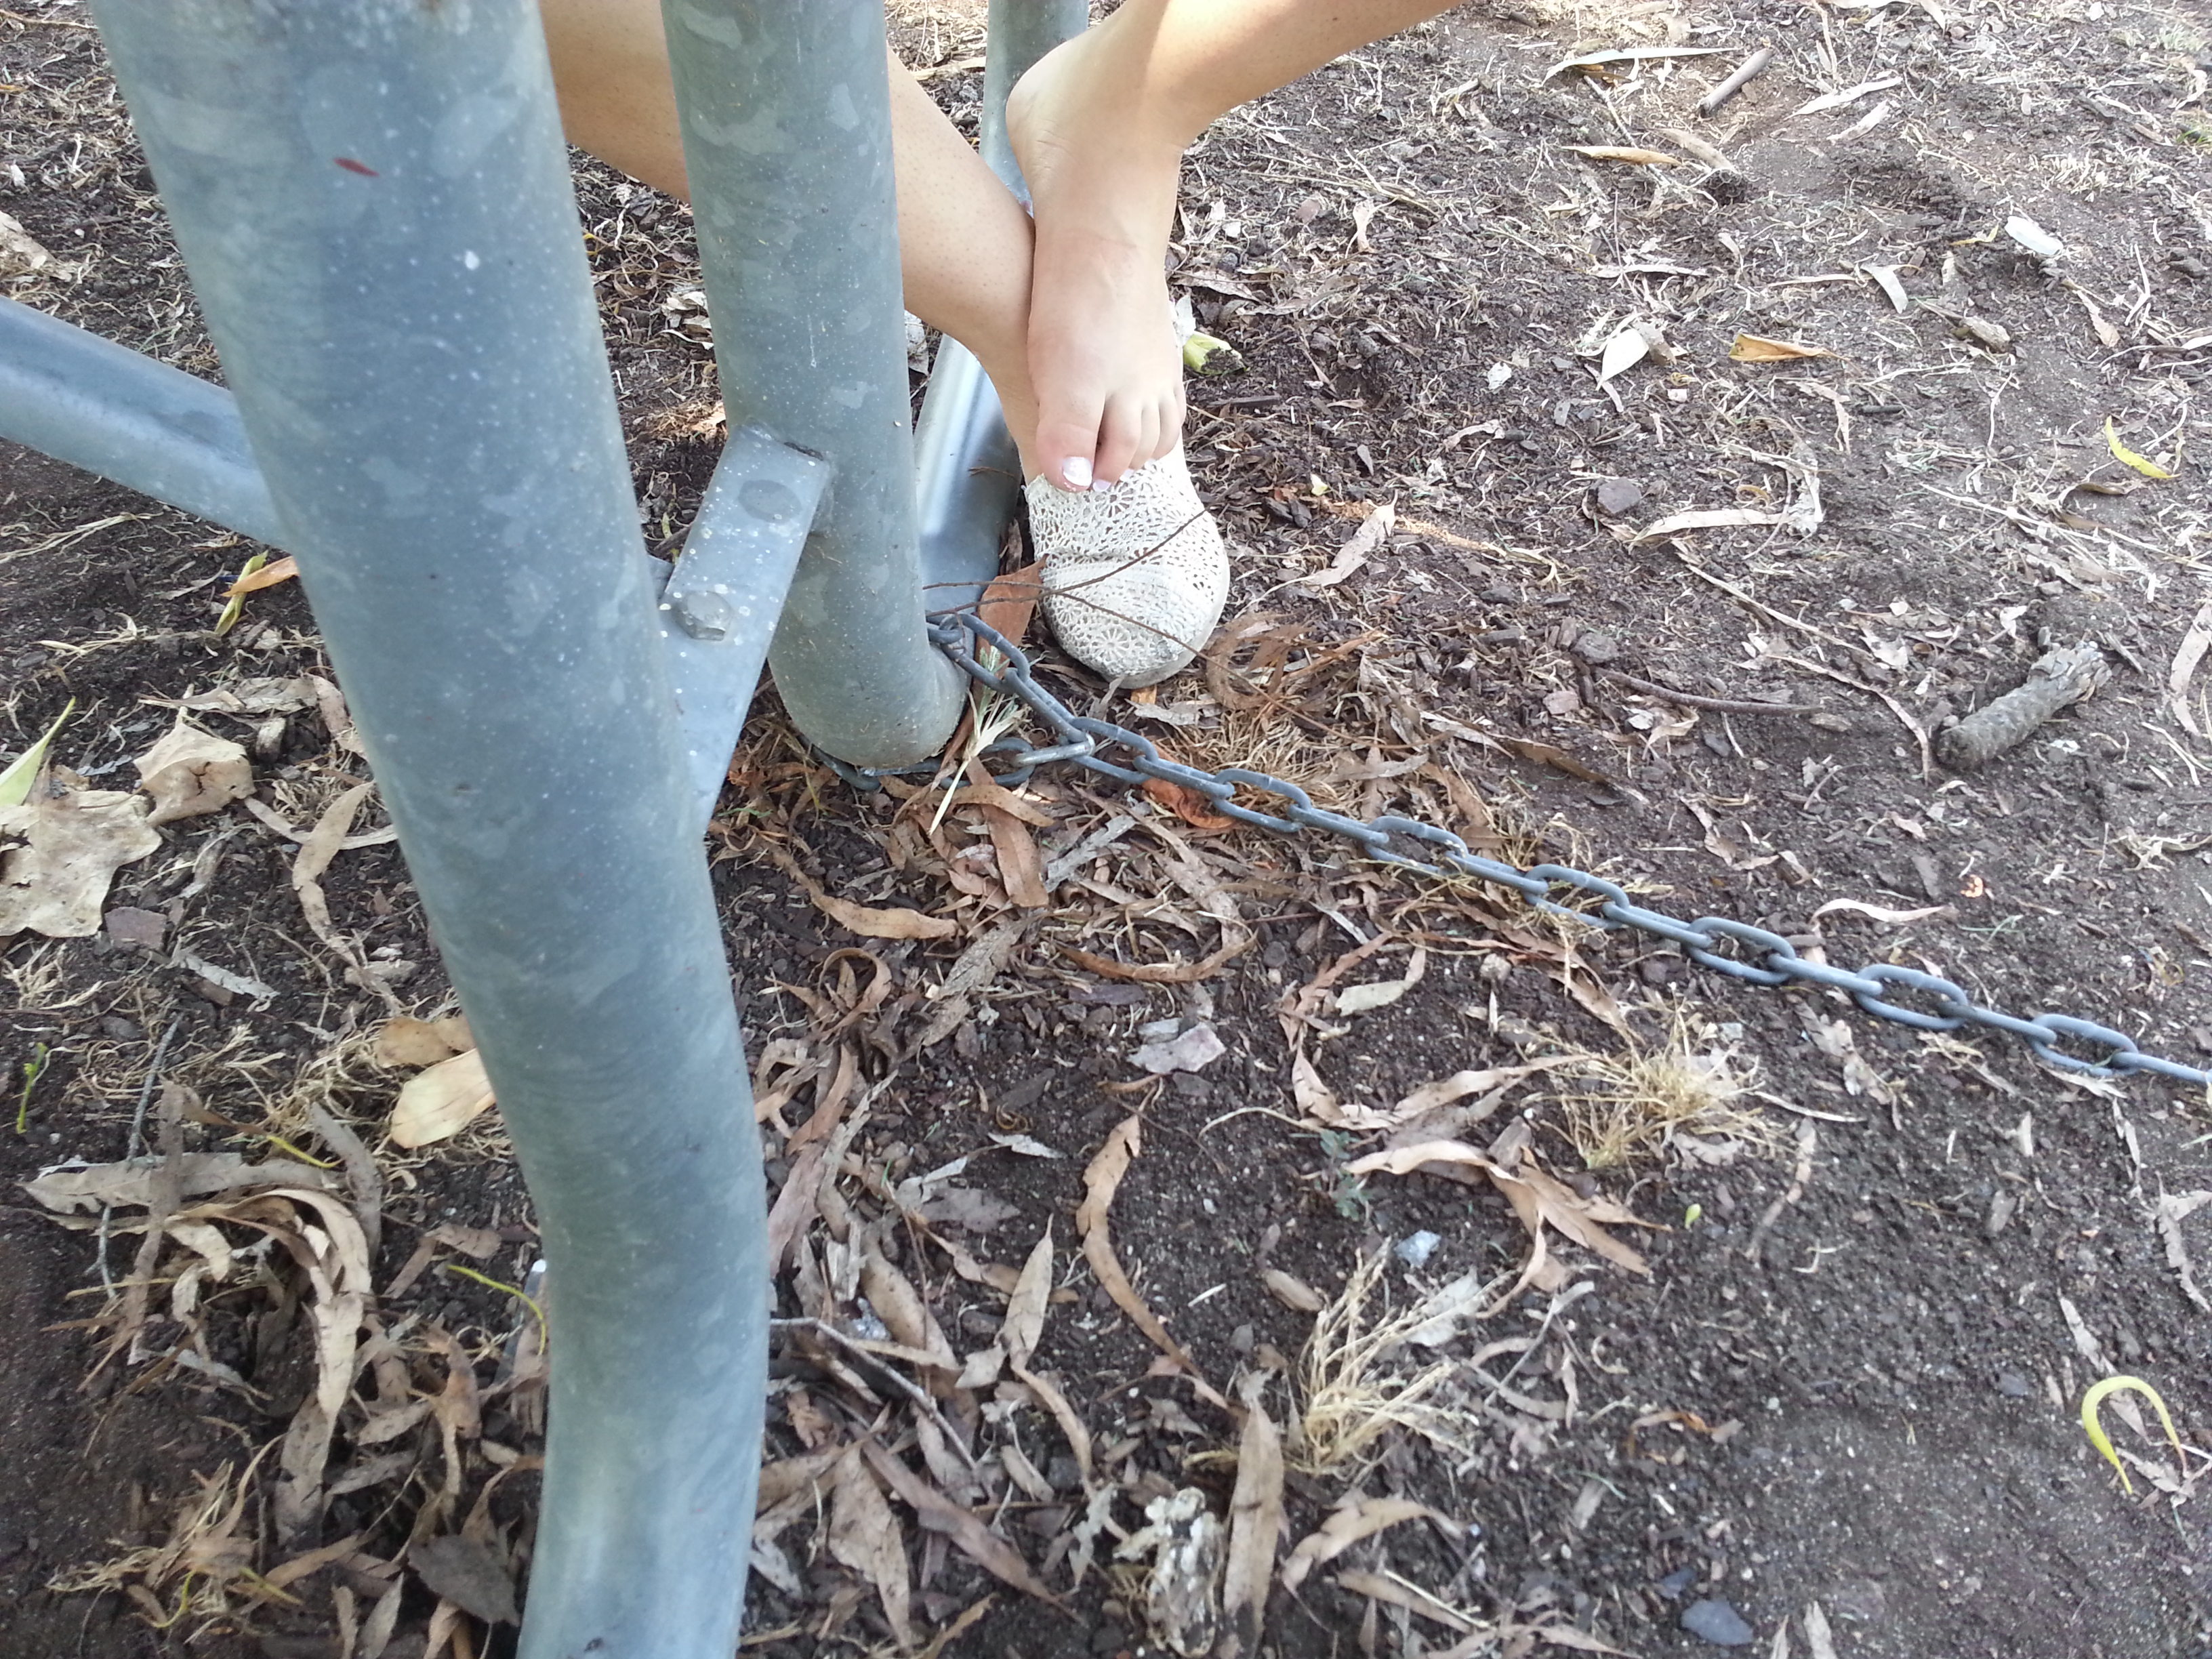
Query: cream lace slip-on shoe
{"type": "Point", "coordinates": [1135, 575]}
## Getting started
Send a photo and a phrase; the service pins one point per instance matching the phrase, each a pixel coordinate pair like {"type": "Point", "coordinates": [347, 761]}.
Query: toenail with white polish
{"type": "Point", "coordinates": [1077, 471]}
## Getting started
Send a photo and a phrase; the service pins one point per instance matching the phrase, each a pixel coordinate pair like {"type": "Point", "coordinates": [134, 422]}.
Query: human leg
{"type": "Point", "coordinates": [964, 242]}
{"type": "Point", "coordinates": [1100, 127]}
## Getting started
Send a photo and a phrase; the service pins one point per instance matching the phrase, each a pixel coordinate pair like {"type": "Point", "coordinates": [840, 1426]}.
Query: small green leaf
{"type": "Point", "coordinates": [33, 1068]}
{"type": "Point", "coordinates": [16, 782]}
{"type": "Point", "coordinates": [236, 608]}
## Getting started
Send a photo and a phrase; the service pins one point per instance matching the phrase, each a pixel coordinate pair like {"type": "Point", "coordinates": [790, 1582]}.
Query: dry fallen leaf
{"type": "Point", "coordinates": [1397, 1593]}
{"type": "Point", "coordinates": [1101, 1181]}
{"type": "Point", "coordinates": [1626, 348]}
{"type": "Point", "coordinates": [1459, 1084]}
{"type": "Point", "coordinates": [2187, 657]}
{"type": "Point", "coordinates": [20, 253]}
{"type": "Point", "coordinates": [1293, 1293]}
{"type": "Point", "coordinates": [441, 1101]}
{"type": "Point", "coordinates": [897, 922]}
{"type": "Point", "coordinates": [1752, 348]}
{"type": "Point", "coordinates": [1644, 158]}
{"type": "Point", "coordinates": [1149, 973]}
{"type": "Point", "coordinates": [405, 1041]}
{"type": "Point", "coordinates": [1536, 1198]}
{"type": "Point", "coordinates": [190, 772]}
{"type": "Point", "coordinates": [1255, 1519]}
{"type": "Point", "coordinates": [1373, 531]}
{"type": "Point", "coordinates": [1358, 1517]}
{"type": "Point", "coordinates": [869, 923]}
{"type": "Point", "coordinates": [865, 1536]}
{"type": "Point", "coordinates": [964, 1527]}
{"type": "Point", "coordinates": [1009, 601]}
{"type": "Point", "coordinates": [199, 1175]}
{"type": "Point", "coordinates": [73, 843]}
{"type": "Point", "coordinates": [268, 576]}
{"type": "Point", "coordinates": [1881, 912]}
{"type": "Point", "coordinates": [1366, 998]}
{"type": "Point", "coordinates": [1725, 517]}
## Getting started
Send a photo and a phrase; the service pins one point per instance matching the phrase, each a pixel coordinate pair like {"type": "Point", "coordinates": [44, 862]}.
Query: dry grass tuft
{"type": "Point", "coordinates": [1354, 1393]}
{"type": "Point", "coordinates": [1695, 1082]}
{"type": "Point", "coordinates": [194, 1579]}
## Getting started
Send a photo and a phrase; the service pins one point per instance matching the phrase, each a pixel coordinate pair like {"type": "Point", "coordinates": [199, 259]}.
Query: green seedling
{"type": "Point", "coordinates": [2103, 1442]}
{"type": "Point", "coordinates": [16, 782]}
{"type": "Point", "coordinates": [33, 1069]}
{"type": "Point", "coordinates": [236, 608]}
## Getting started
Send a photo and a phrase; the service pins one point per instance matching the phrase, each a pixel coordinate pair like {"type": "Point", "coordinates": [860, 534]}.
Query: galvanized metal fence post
{"type": "Point", "coordinates": [787, 144]}
{"type": "Point", "coordinates": [375, 203]}
{"type": "Point", "coordinates": [968, 472]}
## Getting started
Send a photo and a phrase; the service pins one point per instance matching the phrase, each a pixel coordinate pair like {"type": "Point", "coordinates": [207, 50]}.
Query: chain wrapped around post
{"type": "Point", "coordinates": [1766, 957]}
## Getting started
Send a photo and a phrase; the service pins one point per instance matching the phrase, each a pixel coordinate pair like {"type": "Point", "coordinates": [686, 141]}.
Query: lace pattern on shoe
{"type": "Point", "coordinates": [1135, 576]}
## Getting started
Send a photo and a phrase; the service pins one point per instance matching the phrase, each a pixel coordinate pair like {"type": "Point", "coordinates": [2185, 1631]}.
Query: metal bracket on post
{"type": "Point", "coordinates": [785, 114]}
{"type": "Point", "coordinates": [718, 608]}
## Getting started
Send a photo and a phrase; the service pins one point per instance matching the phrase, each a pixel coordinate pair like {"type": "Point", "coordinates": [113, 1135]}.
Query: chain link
{"type": "Point", "coordinates": [1736, 949]}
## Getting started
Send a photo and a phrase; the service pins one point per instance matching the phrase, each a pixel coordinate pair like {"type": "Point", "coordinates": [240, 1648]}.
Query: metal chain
{"type": "Point", "coordinates": [1767, 958]}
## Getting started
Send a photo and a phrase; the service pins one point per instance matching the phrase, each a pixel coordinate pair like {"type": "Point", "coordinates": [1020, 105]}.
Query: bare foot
{"type": "Point", "coordinates": [1102, 353]}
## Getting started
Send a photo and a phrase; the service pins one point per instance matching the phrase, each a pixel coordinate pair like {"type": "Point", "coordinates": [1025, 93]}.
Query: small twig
{"type": "Point", "coordinates": [136, 1147]}
{"type": "Point", "coordinates": [875, 1363]}
{"type": "Point", "coordinates": [1718, 705]}
{"type": "Point", "coordinates": [1753, 67]}
{"type": "Point", "coordinates": [1808, 1140]}
{"type": "Point", "coordinates": [1903, 718]}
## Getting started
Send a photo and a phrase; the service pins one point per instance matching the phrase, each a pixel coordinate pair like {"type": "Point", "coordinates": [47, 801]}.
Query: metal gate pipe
{"type": "Point", "coordinates": [117, 412]}
{"type": "Point", "coordinates": [374, 201]}
{"type": "Point", "coordinates": [1020, 32]}
{"type": "Point", "coordinates": [969, 471]}
{"type": "Point", "coordinates": [785, 114]}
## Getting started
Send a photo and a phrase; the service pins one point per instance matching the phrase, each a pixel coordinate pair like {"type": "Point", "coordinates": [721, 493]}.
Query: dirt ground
{"type": "Point", "coordinates": [1703, 1315]}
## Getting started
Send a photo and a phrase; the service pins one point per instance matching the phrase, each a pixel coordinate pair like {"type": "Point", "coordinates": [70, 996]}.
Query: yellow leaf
{"type": "Point", "coordinates": [2095, 1397]}
{"type": "Point", "coordinates": [1643, 158]}
{"type": "Point", "coordinates": [2127, 456]}
{"type": "Point", "coordinates": [1750, 349]}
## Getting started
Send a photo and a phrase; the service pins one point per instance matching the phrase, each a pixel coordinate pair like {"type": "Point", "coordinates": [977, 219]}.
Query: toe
{"type": "Point", "coordinates": [1067, 446]}
{"type": "Point", "coordinates": [1151, 443]}
{"type": "Point", "coordinates": [1120, 439]}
